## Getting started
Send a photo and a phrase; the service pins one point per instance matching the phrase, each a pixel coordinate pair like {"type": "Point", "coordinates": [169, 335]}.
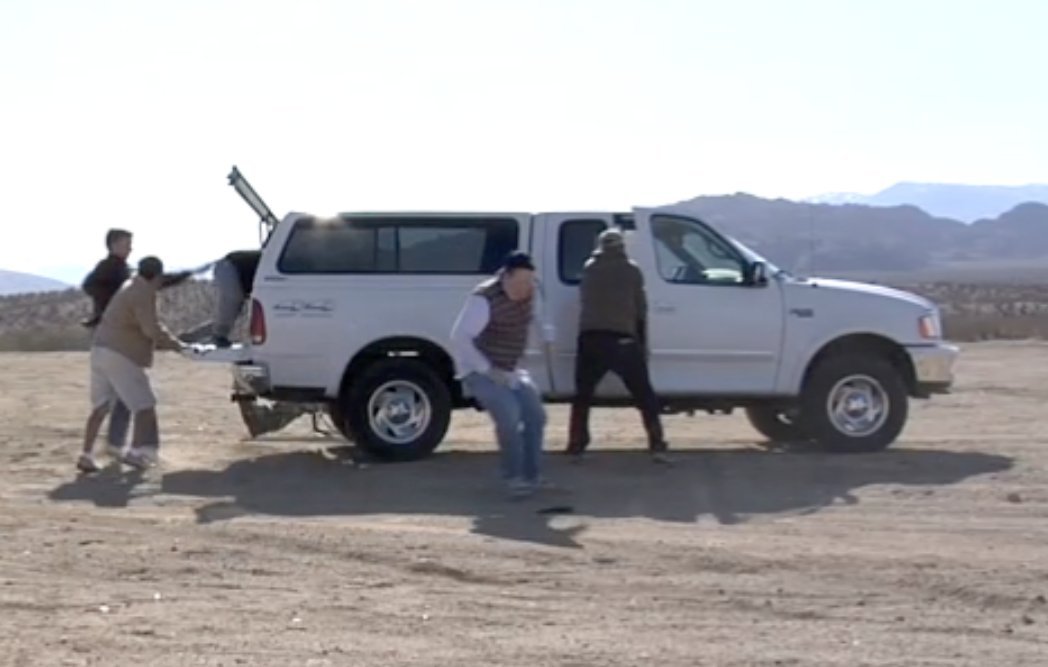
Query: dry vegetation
{"type": "Point", "coordinates": [971, 312]}
{"type": "Point", "coordinates": [50, 322]}
{"type": "Point", "coordinates": [974, 312]}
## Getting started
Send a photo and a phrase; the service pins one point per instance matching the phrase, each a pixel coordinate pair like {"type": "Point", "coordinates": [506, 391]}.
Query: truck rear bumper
{"type": "Point", "coordinates": [933, 367]}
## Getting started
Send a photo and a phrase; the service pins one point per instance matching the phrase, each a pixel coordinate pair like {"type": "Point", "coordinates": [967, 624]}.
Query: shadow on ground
{"type": "Point", "coordinates": [113, 486]}
{"type": "Point", "coordinates": [728, 485]}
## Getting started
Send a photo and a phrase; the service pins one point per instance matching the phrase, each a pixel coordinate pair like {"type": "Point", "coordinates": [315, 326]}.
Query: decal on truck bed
{"type": "Point", "coordinates": [301, 307]}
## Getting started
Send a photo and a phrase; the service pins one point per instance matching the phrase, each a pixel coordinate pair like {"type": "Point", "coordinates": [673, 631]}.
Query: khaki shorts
{"type": "Point", "coordinates": [114, 376]}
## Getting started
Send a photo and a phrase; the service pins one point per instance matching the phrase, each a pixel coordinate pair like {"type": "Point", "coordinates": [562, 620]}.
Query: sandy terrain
{"type": "Point", "coordinates": [271, 553]}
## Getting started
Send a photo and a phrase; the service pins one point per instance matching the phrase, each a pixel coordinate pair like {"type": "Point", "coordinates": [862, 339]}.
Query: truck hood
{"type": "Point", "coordinates": [865, 288]}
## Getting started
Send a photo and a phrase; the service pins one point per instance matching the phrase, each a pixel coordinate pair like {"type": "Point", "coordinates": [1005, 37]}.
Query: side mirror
{"type": "Point", "coordinates": [757, 274]}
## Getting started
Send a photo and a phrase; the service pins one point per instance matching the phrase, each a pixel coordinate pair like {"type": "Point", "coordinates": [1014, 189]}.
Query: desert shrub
{"type": "Point", "coordinates": [50, 321]}
{"type": "Point", "coordinates": [971, 312]}
{"type": "Point", "coordinates": [60, 339]}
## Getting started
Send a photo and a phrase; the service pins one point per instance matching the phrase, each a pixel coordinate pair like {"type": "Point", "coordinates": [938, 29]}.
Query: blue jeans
{"type": "Point", "coordinates": [520, 420]}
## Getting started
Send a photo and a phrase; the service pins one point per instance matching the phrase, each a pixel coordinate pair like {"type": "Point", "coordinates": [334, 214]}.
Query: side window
{"type": "Point", "coordinates": [441, 249]}
{"type": "Point", "coordinates": [688, 252]}
{"type": "Point", "coordinates": [333, 246]}
{"type": "Point", "coordinates": [577, 239]}
{"type": "Point", "coordinates": [399, 245]}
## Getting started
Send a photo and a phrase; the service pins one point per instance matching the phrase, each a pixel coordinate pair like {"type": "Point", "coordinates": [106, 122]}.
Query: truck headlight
{"type": "Point", "coordinates": [929, 327]}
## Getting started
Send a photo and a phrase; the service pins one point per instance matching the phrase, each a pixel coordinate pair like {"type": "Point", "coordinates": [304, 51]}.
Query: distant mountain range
{"type": "Point", "coordinates": [966, 203]}
{"type": "Point", "coordinates": [13, 282]}
{"type": "Point", "coordinates": [857, 240]}
{"type": "Point", "coordinates": [906, 231]}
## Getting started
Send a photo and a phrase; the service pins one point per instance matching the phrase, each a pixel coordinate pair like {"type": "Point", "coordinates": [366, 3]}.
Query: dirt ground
{"type": "Point", "coordinates": [278, 552]}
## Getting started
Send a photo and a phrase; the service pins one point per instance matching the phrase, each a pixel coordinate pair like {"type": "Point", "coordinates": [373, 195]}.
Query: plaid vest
{"type": "Point", "coordinates": [505, 338]}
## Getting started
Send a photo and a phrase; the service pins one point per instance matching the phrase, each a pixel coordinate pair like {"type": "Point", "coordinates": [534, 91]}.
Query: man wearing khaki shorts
{"type": "Point", "coordinates": [121, 352]}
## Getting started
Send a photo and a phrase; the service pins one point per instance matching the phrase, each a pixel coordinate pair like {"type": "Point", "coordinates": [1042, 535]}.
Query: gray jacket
{"type": "Point", "coordinates": [612, 294]}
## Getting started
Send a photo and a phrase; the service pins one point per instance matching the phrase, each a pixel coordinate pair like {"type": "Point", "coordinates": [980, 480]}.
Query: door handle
{"type": "Point", "coordinates": [664, 307]}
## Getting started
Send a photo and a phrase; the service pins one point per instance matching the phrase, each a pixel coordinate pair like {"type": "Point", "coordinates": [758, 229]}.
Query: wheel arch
{"type": "Point", "coordinates": [410, 347]}
{"type": "Point", "coordinates": [866, 343]}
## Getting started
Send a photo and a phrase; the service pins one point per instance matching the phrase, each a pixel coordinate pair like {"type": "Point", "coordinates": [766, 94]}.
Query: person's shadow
{"type": "Point", "coordinates": [729, 486]}
{"type": "Point", "coordinates": [113, 486]}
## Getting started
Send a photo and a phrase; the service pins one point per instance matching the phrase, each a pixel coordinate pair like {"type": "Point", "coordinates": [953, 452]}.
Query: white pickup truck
{"type": "Point", "coordinates": [354, 313]}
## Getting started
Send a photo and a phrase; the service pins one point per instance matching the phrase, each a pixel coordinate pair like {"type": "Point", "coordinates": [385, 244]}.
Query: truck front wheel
{"type": "Point", "coordinates": [397, 410]}
{"type": "Point", "coordinates": [854, 403]}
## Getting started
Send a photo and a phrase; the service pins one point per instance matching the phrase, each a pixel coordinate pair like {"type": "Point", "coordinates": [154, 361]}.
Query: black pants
{"type": "Point", "coordinates": [598, 353]}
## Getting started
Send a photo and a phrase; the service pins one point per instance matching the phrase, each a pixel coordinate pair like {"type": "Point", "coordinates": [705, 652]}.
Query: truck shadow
{"type": "Point", "coordinates": [729, 486]}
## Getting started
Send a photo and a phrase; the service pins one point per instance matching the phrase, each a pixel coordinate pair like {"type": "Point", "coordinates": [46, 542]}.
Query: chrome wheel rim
{"type": "Point", "coordinates": [399, 412]}
{"type": "Point", "coordinates": [858, 406]}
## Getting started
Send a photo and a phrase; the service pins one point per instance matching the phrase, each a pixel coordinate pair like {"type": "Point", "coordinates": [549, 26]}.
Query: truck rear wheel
{"type": "Point", "coordinates": [337, 414]}
{"type": "Point", "coordinates": [853, 403]}
{"type": "Point", "coordinates": [397, 410]}
{"type": "Point", "coordinates": [776, 425]}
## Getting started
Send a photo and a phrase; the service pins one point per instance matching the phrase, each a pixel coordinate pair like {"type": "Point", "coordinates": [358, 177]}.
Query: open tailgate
{"type": "Point", "coordinates": [236, 353]}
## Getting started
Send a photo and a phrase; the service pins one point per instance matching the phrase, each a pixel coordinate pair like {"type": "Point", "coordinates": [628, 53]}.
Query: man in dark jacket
{"type": "Point", "coordinates": [612, 337]}
{"type": "Point", "coordinates": [101, 284]}
{"type": "Point", "coordinates": [112, 272]}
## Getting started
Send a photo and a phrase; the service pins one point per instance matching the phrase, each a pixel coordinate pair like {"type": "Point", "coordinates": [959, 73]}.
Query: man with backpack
{"type": "Point", "coordinates": [612, 337]}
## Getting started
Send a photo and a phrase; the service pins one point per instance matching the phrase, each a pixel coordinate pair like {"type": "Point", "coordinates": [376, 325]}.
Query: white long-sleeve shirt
{"type": "Point", "coordinates": [472, 320]}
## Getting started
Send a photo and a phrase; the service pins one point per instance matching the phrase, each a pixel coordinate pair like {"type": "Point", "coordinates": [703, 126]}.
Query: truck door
{"type": "Point", "coordinates": [711, 330]}
{"type": "Point", "coordinates": [567, 242]}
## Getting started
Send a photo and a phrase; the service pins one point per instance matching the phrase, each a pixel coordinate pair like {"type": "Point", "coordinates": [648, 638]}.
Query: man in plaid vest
{"type": "Point", "coordinates": [489, 339]}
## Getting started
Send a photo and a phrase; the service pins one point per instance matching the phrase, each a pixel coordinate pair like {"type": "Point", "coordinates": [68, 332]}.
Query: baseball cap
{"type": "Point", "coordinates": [611, 238]}
{"type": "Point", "coordinates": [518, 260]}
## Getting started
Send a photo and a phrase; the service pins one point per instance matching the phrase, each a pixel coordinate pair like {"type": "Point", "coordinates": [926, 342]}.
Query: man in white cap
{"type": "Point", "coordinates": [612, 337]}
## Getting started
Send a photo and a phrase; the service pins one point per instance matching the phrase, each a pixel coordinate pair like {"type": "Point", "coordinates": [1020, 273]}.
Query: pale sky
{"type": "Point", "coordinates": [131, 113]}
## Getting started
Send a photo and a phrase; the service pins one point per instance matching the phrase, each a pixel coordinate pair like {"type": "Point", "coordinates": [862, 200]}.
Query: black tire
{"type": "Point", "coordinates": [875, 372]}
{"type": "Point", "coordinates": [338, 418]}
{"type": "Point", "coordinates": [776, 425]}
{"type": "Point", "coordinates": [380, 383]}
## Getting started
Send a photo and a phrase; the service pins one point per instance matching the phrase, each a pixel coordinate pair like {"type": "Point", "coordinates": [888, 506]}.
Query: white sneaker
{"type": "Point", "coordinates": [141, 457]}
{"type": "Point", "coordinates": [114, 452]}
{"type": "Point", "coordinates": [87, 464]}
